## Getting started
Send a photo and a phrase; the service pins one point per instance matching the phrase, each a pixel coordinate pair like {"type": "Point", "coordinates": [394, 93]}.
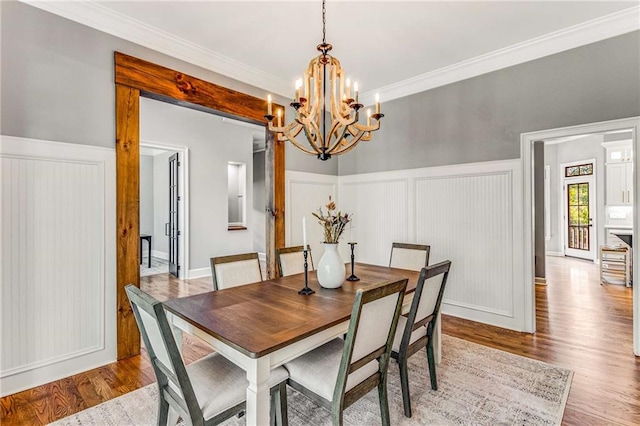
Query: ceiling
{"type": "Point", "coordinates": [393, 47]}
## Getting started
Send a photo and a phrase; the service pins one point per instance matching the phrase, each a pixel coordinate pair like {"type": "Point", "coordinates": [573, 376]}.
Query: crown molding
{"type": "Point", "coordinates": [608, 26]}
{"type": "Point", "coordinates": [102, 18]}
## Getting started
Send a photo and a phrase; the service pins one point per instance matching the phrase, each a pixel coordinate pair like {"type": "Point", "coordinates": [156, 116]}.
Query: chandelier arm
{"type": "Point", "coordinates": [298, 145]}
{"type": "Point", "coordinates": [351, 145]}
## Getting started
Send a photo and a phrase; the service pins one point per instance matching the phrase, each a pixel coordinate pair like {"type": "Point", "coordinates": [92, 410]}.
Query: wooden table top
{"type": "Point", "coordinates": [260, 318]}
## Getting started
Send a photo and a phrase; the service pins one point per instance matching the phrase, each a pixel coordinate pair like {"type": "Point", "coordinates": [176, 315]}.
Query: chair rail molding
{"type": "Point", "coordinates": [57, 288]}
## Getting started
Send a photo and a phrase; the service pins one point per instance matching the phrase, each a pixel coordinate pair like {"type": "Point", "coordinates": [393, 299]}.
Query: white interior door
{"type": "Point", "coordinates": [579, 217]}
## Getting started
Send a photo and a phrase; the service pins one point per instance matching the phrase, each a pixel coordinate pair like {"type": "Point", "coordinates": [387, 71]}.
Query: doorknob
{"type": "Point", "coordinates": [166, 229]}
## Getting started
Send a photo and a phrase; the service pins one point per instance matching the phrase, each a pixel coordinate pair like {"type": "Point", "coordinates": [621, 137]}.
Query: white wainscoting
{"type": "Point", "coordinates": [466, 213]}
{"type": "Point", "coordinates": [305, 193]}
{"type": "Point", "coordinates": [57, 290]}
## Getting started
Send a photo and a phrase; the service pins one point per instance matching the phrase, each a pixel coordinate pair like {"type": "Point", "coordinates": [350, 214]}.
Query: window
{"type": "Point", "coordinates": [237, 204]}
{"type": "Point", "coordinates": [579, 170]}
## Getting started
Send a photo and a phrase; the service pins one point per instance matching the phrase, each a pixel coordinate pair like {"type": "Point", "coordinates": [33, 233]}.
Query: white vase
{"type": "Point", "coordinates": [331, 268]}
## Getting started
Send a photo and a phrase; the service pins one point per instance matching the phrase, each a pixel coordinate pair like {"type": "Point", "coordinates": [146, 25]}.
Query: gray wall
{"type": "Point", "coordinates": [567, 152]}
{"type": "Point", "coordinates": [57, 81]}
{"type": "Point", "coordinates": [146, 196]}
{"type": "Point", "coordinates": [212, 144]}
{"type": "Point", "coordinates": [481, 119]}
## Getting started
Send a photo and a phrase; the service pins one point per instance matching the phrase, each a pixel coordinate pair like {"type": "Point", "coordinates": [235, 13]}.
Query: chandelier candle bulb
{"type": "Point", "coordinates": [355, 89]}
{"type": "Point", "coordinates": [298, 86]}
{"type": "Point", "coordinates": [377, 103]}
{"type": "Point", "coordinates": [348, 88]}
{"type": "Point", "coordinates": [279, 118]}
{"type": "Point", "coordinates": [269, 111]}
{"type": "Point", "coordinates": [368, 119]}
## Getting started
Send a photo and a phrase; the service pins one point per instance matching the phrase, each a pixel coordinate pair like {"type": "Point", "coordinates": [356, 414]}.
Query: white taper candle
{"type": "Point", "coordinates": [304, 232]}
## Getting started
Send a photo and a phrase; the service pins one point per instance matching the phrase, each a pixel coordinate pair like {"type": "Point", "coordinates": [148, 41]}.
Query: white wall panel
{"type": "Point", "coordinates": [380, 217]}
{"type": "Point", "coordinates": [467, 219]}
{"type": "Point", "coordinates": [57, 278]}
{"type": "Point", "coordinates": [306, 192]}
{"type": "Point", "coordinates": [466, 213]}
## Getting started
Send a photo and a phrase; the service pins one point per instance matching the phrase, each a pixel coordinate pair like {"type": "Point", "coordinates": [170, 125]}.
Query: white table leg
{"type": "Point", "coordinates": [257, 412]}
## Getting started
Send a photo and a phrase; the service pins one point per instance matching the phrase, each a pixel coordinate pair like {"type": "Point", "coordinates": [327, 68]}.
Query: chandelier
{"type": "Point", "coordinates": [326, 110]}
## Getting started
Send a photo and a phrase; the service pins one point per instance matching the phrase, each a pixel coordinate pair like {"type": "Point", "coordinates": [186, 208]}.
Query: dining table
{"type": "Point", "coordinates": [263, 325]}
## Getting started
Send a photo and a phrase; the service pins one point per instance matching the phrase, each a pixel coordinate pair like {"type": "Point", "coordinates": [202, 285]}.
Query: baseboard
{"type": "Point", "coordinates": [555, 253]}
{"type": "Point", "coordinates": [541, 281]}
{"type": "Point", "coordinates": [199, 273]}
{"type": "Point", "coordinates": [160, 254]}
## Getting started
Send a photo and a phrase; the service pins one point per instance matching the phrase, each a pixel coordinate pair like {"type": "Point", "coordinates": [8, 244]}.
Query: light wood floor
{"type": "Point", "coordinates": [581, 325]}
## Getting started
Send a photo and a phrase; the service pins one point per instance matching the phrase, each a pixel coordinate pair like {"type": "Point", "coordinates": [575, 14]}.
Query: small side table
{"type": "Point", "coordinates": [148, 238]}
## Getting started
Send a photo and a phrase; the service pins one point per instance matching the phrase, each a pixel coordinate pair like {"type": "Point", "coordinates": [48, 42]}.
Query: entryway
{"type": "Point", "coordinates": [162, 209]}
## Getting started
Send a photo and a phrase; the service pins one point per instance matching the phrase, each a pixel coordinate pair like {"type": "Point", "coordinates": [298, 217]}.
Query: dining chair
{"type": "Point", "coordinates": [409, 256]}
{"type": "Point", "coordinates": [415, 329]}
{"type": "Point", "coordinates": [235, 270]}
{"type": "Point", "coordinates": [291, 260]}
{"type": "Point", "coordinates": [206, 392]}
{"type": "Point", "coordinates": [340, 372]}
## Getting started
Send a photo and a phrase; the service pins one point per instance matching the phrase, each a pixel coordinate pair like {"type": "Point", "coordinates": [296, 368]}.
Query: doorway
{"type": "Point", "coordinates": [631, 127]}
{"type": "Point", "coordinates": [163, 208]}
{"type": "Point", "coordinates": [579, 209]}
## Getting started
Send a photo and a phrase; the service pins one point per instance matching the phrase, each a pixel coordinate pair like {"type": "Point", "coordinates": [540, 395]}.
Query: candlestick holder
{"type": "Point", "coordinates": [353, 277]}
{"type": "Point", "coordinates": [306, 290]}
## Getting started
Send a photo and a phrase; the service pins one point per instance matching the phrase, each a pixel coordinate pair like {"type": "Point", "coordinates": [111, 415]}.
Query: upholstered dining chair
{"type": "Point", "coordinates": [409, 256]}
{"type": "Point", "coordinates": [206, 392]}
{"type": "Point", "coordinates": [291, 260]}
{"type": "Point", "coordinates": [340, 372]}
{"type": "Point", "coordinates": [415, 330]}
{"type": "Point", "coordinates": [235, 270]}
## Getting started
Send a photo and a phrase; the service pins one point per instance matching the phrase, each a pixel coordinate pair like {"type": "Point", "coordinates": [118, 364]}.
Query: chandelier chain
{"type": "Point", "coordinates": [324, 23]}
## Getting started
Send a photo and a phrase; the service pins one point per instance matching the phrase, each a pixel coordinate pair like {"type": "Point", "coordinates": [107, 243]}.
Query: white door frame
{"type": "Point", "coordinates": [593, 234]}
{"type": "Point", "coordinates": [526, 155]}
{"type": "Point", "coordinates": [183, 208]}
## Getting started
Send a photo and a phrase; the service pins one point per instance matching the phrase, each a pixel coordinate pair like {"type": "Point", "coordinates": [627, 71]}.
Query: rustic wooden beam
{"type": "Point", "coordinates": [127, 215]}
{"type": "Point", "coordinates": [176, 87]}
{"type": "Point", "coordinates": [134, 78]}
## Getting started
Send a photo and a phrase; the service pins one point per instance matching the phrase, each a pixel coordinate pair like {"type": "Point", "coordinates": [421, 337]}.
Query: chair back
{"type": "Point", "coordinates": [291, 260]}
{"type": "Point", "coordinates": [426, 301]}
{"type": "Point", "coordinates": [409, 256]}
{"type": "Point", "coordinates": [174, 384]}
{"type": "Point", "coordinates": [235, 270]}
{"type": "Point", "coordinates": [372, 327]}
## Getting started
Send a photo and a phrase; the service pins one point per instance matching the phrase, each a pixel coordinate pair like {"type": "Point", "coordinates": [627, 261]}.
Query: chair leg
{"type": "Point", "coordinates": [281, 413]}
{"type": "Point", "coordinates": [163, 412]}
{"type": "Point", "coordinates": [432, 365]}
{"type": "Point", "coordinates": [404, 384]}
{"type": "Point", "coordinates": [384, 403]}
{"type": "Point", "coordinates": [336, 414]}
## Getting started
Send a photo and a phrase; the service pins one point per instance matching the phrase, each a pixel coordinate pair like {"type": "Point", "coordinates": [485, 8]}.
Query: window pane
{"type": "Point", "coordinates": [573, 171]}
{"type": "Point", "coordinates": [583, 215]}
{"type": "Point", "coordinates": [573, 216]}
{"type": "Point", "coordinates": [584, 194]}
{"type": "Point", "coordinates": [573, 194]}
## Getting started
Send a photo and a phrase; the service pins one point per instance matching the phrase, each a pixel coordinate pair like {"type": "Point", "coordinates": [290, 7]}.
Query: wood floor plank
{"type": "Point", "coordinates": [581, 325]}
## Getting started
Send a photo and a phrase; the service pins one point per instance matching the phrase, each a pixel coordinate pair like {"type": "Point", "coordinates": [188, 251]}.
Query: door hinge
{"type": "Point", "coordinates": [179, 233]}
{"type": "Point", "coordinates": [178, 267]}
{"type": "Point", "coordinates": [179, 164]}
{"type": "Point", "coordinates": [179, 198]}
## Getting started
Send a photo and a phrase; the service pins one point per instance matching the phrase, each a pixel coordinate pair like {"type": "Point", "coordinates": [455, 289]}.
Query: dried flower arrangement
{"type": "Point", "coordinates": [333, 223]}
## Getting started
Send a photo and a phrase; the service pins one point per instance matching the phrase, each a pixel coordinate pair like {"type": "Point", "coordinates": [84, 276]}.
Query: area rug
{"type": "Point", "coordinates": [477, 385]}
